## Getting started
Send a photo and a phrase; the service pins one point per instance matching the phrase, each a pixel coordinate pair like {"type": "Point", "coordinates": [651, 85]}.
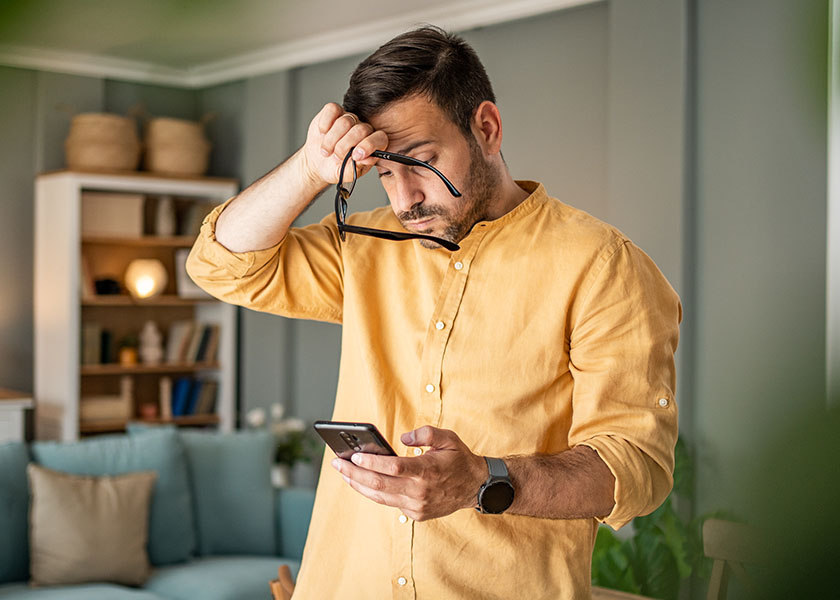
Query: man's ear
{"type": "Point", "coordinates": [487, 127]}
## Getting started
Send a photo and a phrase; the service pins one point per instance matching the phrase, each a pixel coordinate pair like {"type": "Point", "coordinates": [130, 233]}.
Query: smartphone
{"type": "Point", "coordinates": [348, 438]}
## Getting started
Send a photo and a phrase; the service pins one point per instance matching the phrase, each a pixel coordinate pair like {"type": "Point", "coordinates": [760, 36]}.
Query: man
{"type": "Point", "coordinates": [545, 340]}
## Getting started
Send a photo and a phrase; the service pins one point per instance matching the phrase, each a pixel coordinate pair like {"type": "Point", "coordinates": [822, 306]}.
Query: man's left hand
{"type": "Point", "coordinates": [442, 480]}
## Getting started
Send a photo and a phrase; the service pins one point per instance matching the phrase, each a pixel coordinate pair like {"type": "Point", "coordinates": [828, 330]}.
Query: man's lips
{"type": "Point", "coordinates": [418, 224]}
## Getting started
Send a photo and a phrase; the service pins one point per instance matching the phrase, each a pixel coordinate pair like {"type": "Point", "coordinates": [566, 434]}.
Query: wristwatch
{"type": "Point", "coordinates": [496, 494]}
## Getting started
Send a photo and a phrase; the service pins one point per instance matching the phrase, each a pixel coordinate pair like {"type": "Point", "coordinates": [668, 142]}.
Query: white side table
{"type": "Point", "coordinates": [13, 407]}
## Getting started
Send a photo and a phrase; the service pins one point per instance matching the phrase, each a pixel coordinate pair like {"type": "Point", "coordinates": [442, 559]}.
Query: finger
{"type": "Point", "coordinates": [378, 140]}
{"type": "Point", "coordinates": [343, 135]}
{"type": "Point", "coordinates": [431, 436]}
{"type": "Point", "coordinates": [374, 483]}
{"type": "Point", "coordinates": [392, 466]}
{"type": "Point", "coordinates": [328, 115]}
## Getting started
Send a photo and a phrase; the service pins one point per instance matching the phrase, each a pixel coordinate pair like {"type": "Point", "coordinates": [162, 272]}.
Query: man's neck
{"type": "Point", "coordinates": [510, 196]}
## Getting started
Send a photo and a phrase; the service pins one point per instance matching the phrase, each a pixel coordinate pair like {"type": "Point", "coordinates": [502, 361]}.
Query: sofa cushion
{"type": "Point", "coordinates": [219, 578]}
{"type": "Point", "coordinates": [171, 524]}
{"type": "Point", "coordinates": [89, 529]}
{"type": "Point", "coordinates": [14, 513]}
{"type": "Point", "coordinates": [95, 591]}
{"type": "Point", "coordinates": [294, 511]}
{"type": "Point", "coordinates": [232, 492]}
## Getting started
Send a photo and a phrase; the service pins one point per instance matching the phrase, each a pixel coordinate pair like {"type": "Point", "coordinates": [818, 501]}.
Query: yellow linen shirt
{"type": "Point", "coordinates": [548, 329]}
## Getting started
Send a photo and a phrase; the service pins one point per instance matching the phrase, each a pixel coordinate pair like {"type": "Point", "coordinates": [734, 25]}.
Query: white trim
{"type": "Point", "coordinates": [833, 217]}
{"type": "Point", "coordinates": [460, 16]}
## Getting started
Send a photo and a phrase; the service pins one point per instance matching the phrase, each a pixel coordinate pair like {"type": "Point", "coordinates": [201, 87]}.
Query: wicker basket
{"type": "Point", "coordinates": [102, 141]}
{"type": "Point", "coordinates": [176, 147]}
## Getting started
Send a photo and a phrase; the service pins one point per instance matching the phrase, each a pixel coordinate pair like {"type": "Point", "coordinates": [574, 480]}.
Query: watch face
{"type": "Point", "coordinates": [497, 497]}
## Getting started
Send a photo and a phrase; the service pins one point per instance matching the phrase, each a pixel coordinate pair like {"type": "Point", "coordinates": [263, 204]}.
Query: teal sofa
{"type": "Point", "coordinates": [218, 530]}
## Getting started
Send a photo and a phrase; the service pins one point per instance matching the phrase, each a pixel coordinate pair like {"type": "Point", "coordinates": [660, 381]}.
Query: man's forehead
{"type": "Point", "coordinates": [411, 123]}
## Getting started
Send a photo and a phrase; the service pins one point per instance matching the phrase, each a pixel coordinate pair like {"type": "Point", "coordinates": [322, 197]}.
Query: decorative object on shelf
{"type": "Point", "coordinates": [151, 344]}
{"type": "Point", "coordinates": [149, 411]}
{"type": "Point", "coordinates": [177, 146]}
{"type": "Point", "coordinates": [128, 351]}
{"type": "Point", "coordinates": [106, 286]}
{"type": "Point", "coordinates": [102, 141]}
{"type": "Point", "coordinates": [112, 214]}
{"type": "Point", "coordinates": [146, 277]}
{"type": "Point", "coordinates": [292, 443]}
{"type": "Point", "coordinates": [165, 216]}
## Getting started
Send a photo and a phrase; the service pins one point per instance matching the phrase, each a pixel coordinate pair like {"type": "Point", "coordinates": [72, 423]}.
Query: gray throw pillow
{"type": "Point", "coordinates": [88, 529]}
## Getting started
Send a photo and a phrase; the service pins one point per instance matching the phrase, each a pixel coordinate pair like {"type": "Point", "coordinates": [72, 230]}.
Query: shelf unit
{"type": "Point", "coordinates": [59, 309]}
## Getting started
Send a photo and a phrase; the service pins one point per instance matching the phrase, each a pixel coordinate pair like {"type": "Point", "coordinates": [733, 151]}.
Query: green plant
{"type": "Point", "coordinates": [292, 447]}
{"type": "Point", "coordinates": [663, 549]}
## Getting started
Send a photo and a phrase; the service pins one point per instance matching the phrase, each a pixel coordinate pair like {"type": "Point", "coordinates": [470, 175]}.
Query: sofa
{"type": "Point", "coordinates": [215, 527]}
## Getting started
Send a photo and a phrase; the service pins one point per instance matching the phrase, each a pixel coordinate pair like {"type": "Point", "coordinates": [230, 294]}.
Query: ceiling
{"type": "Point", "coordinates": [195, 43]}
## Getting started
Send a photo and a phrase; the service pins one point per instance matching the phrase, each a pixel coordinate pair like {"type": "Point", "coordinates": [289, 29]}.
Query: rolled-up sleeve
{"type": "Point", "coordinates": [300, 277]}
{"type": "Point", "coordinates": [622, 348]}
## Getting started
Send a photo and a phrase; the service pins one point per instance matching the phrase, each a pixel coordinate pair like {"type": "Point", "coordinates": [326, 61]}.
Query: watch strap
{"type": "Point", "coordinates": [496, 467]}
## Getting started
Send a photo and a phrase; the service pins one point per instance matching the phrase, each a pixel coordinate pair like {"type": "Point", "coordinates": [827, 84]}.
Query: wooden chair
{"type": "Point", "coordinates": [283, 587]}
{"type": "Point", "coordinates": [731, 545]}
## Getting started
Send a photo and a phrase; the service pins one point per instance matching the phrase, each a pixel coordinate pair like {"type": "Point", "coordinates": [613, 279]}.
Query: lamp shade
{"type": "Point", "coordinates": [145, 277]}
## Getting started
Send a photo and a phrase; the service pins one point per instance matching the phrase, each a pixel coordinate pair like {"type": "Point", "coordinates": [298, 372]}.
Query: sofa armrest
{"type": "Point", "coordinates": [293, 509]}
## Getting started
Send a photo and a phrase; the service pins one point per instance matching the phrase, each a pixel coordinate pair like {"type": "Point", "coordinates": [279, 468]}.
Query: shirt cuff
{"type": "Point", "coordinates": [635, 489]}
{"type": "Point", "coordinates": [238, 264]}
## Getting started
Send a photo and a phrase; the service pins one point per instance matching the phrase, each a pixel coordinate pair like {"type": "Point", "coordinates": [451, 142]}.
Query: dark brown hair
{"type": "Point", "coordinates": [427, 61]}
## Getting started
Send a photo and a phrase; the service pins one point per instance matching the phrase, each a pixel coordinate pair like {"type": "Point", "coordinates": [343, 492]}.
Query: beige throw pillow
{"type": "Point", "coordinates": [87, 529]}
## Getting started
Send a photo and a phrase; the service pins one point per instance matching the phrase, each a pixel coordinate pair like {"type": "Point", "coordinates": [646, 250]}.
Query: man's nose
{"type": "Point", "coordinates": [407, 194]}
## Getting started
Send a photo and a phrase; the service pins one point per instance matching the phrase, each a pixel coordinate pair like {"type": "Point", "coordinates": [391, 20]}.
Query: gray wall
{"type": "Point", "coordinates": [696, 126]}
{"type": "Point", "coordinates": [760, 230]}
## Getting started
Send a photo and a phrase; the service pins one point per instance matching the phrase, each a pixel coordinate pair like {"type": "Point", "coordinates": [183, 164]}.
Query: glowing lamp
{"type": "Point", "coordinates": [145, 277]}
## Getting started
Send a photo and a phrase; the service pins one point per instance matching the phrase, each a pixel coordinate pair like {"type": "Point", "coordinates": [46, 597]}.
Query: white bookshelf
{"type": "Point", "coordinates": [59, 308]}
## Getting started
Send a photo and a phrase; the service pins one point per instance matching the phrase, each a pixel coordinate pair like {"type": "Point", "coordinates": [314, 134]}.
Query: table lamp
{"type": "Point", "coordinates": [145, 278]}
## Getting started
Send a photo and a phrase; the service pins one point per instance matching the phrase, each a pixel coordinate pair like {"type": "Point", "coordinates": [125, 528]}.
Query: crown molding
{"type": "Point", "coordinates": [461, 16]}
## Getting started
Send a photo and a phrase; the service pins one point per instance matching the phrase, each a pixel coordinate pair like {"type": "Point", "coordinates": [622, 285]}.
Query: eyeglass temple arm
{"type": "Point", "coordinates": [399, 236]}
{"type": "Point", "coordinates": [414, 162]}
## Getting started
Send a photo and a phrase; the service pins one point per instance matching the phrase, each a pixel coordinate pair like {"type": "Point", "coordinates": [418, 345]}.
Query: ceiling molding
{"type": "Point", "coordinates": [461, 16]}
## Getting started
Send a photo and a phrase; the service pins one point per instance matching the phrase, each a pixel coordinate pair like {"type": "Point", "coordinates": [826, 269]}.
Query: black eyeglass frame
{"type": "Point", "coordinates": [342, 194]}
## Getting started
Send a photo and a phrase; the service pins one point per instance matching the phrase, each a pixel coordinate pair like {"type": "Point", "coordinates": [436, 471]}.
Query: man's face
{"type": "Point", "coordinates": [418, 128]}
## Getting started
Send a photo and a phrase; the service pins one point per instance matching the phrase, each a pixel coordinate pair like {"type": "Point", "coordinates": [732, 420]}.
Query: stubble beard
{"type": "Point", "coordinates": [482, 184]}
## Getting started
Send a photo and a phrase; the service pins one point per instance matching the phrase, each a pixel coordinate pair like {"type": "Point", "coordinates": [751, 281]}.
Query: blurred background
{"type": "Point", "coordinates": [700, 128]}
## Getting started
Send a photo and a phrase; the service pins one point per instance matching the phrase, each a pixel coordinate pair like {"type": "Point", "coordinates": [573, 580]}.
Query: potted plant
{"type": "Point", "coordinates": [292, 444]}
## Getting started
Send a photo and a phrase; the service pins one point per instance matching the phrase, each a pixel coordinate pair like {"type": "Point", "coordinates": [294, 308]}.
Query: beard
{"type": "Point", "coordinates": [463, 213]}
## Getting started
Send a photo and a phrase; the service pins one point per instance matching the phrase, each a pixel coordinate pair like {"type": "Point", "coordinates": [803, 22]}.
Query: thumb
{"type": "Point", "coordinates": [430, 436]}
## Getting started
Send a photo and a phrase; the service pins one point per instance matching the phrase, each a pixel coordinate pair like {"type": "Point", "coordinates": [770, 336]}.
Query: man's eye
{"type": "Point", "coordinates": [384, 174]}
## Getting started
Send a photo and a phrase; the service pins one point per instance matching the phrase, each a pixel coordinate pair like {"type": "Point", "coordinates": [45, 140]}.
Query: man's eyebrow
{"type": "Point", "coordinates": [405, 150]}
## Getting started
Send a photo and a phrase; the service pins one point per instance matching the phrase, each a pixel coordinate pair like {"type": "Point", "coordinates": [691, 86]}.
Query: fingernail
{"type": "Point", "coordinates": [408, 438]}
{"type": "Point", "coordinates": [335, 464]}
{"type": "Point", "coordinates": [347, 479]}
{"type": "Point", "coordinates": [356, 458]}
{"type": "Point", "coordinates": [358, 154]}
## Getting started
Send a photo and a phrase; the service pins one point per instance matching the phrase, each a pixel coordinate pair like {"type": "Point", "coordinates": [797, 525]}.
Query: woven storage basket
{"type": "Point", "coordinates": [102, 141]}
{"type": "Point", "coordinates": [176, 147]}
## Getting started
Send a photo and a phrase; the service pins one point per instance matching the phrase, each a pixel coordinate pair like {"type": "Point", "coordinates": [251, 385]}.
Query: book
{"type": "Point", "coordinates": [180, 395]}
{"type": "Point", "coordinates": [191, 350]}
{"type": "Point", "coordinates": [211, 354]}
{"type": "Point", "coordinates": [165, 397]}
{"type": "Point", "coordinates": [207, 398]}
{"type": "Point", "coordinates": [91, 343]}
{"type": "Point", "coordinates": [192, 400]}
{"type": "Point", "coordinates": [180, 334]}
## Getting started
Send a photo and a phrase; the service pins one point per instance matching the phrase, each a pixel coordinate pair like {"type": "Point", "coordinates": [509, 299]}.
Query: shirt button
{"type": "Point", "coordinates": [430, 388]}
{"type": "Point", "coordinates": [458, 265]}
{"type": "Point", "coordinates": [418, 451]}
{"type": "Point", "coordinates": [403, 519]}
{"type": "Point", "coordinates": [663, 402]}
{"type": "Point", "coordinates": [440, 325]}
{"type": "Point", "coordinates": [402, 581]}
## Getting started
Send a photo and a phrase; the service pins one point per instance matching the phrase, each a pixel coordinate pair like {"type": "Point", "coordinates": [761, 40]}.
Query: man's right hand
{"type": "Point", "coordinates": [330, 136]}
{"type": "Point", "coordinates": [261, 214]}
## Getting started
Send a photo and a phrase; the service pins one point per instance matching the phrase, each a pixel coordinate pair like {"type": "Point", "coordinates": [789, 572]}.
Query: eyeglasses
{"type": "Point", "coordinates": [343, 191]}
